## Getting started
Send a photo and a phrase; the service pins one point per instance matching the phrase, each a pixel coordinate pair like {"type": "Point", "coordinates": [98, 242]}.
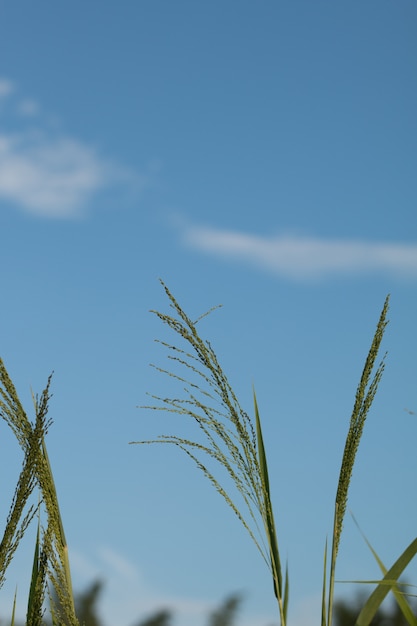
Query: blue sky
{"type": "Point", "coordinates": [261, 156]}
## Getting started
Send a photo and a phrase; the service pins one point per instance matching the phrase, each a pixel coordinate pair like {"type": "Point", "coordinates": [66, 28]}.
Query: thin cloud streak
{"type": "Point", "coordinates": [301, 257]}
{"type": "Point", "coordinates": [128, 595]}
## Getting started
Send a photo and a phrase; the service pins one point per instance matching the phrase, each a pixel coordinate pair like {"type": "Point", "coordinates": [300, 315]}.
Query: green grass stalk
{"type": "Point", "coordinates": [230, 439]}
{"type": "Point", "coordinates": [236, 445]}
{"type": "Point", "coordinates": [363, 401]}
{"type": "Point", "coordinates": [50, 565]}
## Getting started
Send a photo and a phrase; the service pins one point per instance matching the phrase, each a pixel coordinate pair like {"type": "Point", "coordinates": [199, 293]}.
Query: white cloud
{"type": "Point", "coordinates": [119, 564]}
{"type": "Point", "coordinates": [301, 257]}
{"type": "Point", "coordinates": [47, 174]}
{"type": "Point", "coordinates": [50, 178]}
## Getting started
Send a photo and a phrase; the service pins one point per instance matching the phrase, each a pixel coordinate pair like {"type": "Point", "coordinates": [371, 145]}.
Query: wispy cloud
{"type": "Point", "coordinates": [28, 107]}
{"type": "Point", "coordinates": [46, 173]}
{"type": "Point", "coordinates": [306, 258]}
{"type": "Point", "coordinates": [6, 88]}
{"type": "Point", "coordinates": [128, 596]}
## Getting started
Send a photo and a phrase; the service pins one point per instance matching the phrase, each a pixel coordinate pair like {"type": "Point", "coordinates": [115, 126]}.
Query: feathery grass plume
{"type": "Point", "coordinates": [231, 440]}
{"type": "Point", "coordinates": [29, 439]}
{"type": "Point", "coordinates": [364, 397]}
{"type": "Point", "coordinates": [54, 545]}
{"type": "Point", "coordinates": [35, 610]}
{"type": "Point", "coordinates": [51, 554]}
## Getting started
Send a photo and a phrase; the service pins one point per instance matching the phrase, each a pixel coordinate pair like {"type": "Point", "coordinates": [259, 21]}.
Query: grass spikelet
{"type": "Point", "coordinates": [364, 397]}
{"type": "Point", "coordinates": [231, 439]}
{"type": "Point", "coordinates": [29, 438]}
{"type": "Point", "coordinates": [54, 544]}
{"type": "Point", "coordinates": [51, 555]}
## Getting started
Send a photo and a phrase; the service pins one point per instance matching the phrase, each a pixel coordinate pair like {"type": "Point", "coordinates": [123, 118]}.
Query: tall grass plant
{"type": "Point", "coordinates": [232, 442]}
{"type": "Point", "coordinates": [50, 569]}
